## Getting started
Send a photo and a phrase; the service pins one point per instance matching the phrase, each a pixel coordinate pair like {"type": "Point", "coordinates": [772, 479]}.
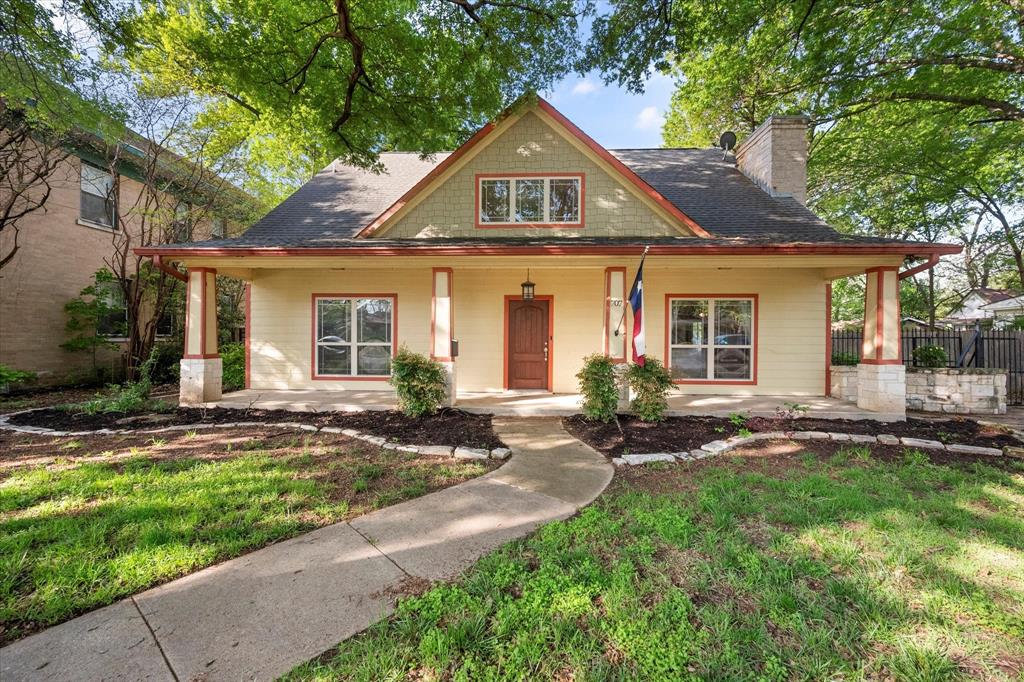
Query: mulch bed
{"type": "Point", "coordinates": [447, 427]}
{"type": "Point", "coordinates": [678, 434]}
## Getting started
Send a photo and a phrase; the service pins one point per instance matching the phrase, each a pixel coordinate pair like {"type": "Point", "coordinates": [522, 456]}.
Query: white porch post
{"type": "Point", "coordinates": [201, 368]}
{"type": "Point", "coordinates": [881, 376]}
{"type": "Point", "coordinates": [442, 327]}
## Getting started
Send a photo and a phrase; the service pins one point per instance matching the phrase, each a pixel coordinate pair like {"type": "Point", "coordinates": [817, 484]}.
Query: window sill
{"type": "Point", "coordinates": [95, 226]}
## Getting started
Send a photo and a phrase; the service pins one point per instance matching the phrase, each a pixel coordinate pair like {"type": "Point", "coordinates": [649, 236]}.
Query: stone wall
{"type": "Point", "coordinates": [953, 391]}
{"type": "Point", "coordinates": [957, 391]}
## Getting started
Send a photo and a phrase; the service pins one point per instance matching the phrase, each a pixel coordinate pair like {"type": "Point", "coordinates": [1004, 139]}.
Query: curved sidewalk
{"type": "Point", "coordinates": [258, 616]}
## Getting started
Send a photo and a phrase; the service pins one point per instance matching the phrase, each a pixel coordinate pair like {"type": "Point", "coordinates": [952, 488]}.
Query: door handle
{"type": "Point", "coordinates": [545, 351]}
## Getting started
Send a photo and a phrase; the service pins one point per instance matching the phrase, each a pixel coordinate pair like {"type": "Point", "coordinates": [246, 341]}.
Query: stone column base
{"type": "Point", "coordinates": [449, 391]}
{"type": "Point", "coordinates": [200, 380]}
{"type": "Point", "coordinates": [882, 388]}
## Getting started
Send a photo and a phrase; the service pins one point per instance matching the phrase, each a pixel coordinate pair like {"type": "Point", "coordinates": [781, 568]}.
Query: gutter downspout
{"type": "Point", "coordinates": [932, 261]}
{"type": "Point", "coordinates": [158, 261]}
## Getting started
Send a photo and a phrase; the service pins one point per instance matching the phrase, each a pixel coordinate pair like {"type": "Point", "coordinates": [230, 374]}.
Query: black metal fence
{"type": "Point", "coordinates": [969, 348]}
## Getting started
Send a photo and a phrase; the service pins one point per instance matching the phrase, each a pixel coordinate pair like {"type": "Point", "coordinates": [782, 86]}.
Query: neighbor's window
{"type": "Point", "coordinates": [97, 196]}
{"type": "Point", "coordinates": [711, 338]}
{"type": "Point", "coordinates": [219, 228]}
{"type": "Point", "coordinates": [112, 321]}
{"type": "Point", "coordinates": [354, 336]}
{"type": "Point", "coordinates": [535, 201]}
{"type": "Point", "coordinates": [181, 226]}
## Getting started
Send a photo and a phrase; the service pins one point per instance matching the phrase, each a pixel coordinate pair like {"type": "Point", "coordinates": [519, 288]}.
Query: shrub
{"type": "Point", "coordinates": [232, 356]}
{"type": "Point", "coordinates": [845, 359]}
{"type": "Point", "coordinates": [930, 356]}
{"type": "Point", "coordinates": [650, 384]}
{"type": "Point", "coordinates": [419, 381]}
{"type": "Point", "coordinates": [10, 377]}
{"type": "Point", "coordinates": [599, 388]}
{"type": "Point", "coordinates": [127, 398]}
{"type": "Point", "coordinates": [167, 366]}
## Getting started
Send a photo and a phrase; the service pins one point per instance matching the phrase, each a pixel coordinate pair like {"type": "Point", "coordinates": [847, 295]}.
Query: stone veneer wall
{"type": "Point", "coordinates": [957, 391]}
{"type": "Point", "coordinates": [953, 391]}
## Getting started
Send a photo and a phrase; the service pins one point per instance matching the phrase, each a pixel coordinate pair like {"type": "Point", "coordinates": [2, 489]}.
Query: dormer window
{"type": "Point", "coordinates": [529, 201]}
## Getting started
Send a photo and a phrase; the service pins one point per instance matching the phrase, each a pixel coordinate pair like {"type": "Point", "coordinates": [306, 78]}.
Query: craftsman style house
{"type": "Point", "coordinates": [436, 254]}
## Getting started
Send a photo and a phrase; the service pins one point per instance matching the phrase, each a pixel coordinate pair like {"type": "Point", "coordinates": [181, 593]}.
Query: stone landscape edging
{"type": "Point", "coordinates": [457, 451]}
{"type": "Point", "coordinates": [718, 447]}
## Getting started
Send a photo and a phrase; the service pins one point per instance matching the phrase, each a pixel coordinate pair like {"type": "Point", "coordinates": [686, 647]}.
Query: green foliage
{"type": "Point", "coordinates": [94, 316]}
{"type": "Point", "coordinates": [10, 377]}
{"type": "Point", "coordinates": [419, 382]}
{"type": "Point", "coordinates": [129, 398]}
{"type": "Point", "coordinates": [930, 356]}
{"type": "Point", "coordinates": [731, 573]}
{"type": "Point", "coordinates": [232, 356]}
{"type": "Point", "coordinates": [167, 362]}
{"type": "Point", "coordinates": [599, 387]}
{"type": "Point", "coordinates": [650, 384]}
{"type": "Point", "coordinates": [845, 359]}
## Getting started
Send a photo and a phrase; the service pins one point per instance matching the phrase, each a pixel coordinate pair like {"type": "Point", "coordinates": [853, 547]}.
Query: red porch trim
{"type": "Point", "coordinates": [608, 312]}
{"type": "Point", "coordinates": [433, 313]}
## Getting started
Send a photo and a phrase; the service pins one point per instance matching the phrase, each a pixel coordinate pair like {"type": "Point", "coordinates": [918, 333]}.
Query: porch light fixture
{"type": "Point", "coordinates": [528, 287]}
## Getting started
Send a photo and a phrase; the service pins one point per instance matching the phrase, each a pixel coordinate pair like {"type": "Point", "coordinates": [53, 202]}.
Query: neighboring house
{"type": "Point", "coordinates": [736, 282]}
{"type": "Point", "coordinates": [973, 306]}
{"type": "Point", "coordinates": [63, 244]}
{"type": "Point", "coordinates": [1006, 312]}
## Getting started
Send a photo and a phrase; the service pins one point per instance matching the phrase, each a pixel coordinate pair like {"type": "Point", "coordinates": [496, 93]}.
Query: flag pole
{"type": "Point", "coordinates": [625, 307]}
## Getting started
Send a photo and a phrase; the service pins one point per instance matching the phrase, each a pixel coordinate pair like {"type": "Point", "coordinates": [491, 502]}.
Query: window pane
{"type": "Point", "coordinates": [334, 360]}
{"type": "Point", "coordinates": [98, 210]}
{"type": "Point", "coordinates": [374, 360]}
{"type": "Point", "coordinates": [494, 201]}
{"type": "Point", "coordinates": [96, 182]}
{"type": "Point", "coordinates": [373, 317]}
{"type": "Point", "coordinates": [733, 322]}
{"type": "Point", "coordinates": [565, 200]}
{"type": "Point", "coordinates": [732, 363]}
{"type": "Point", "coordinates": [529, 201]}
{"type": "Point", "coordinates": [219, 228]}
{"type": "Point", "coordinates": [335, 321]}
{"type": "Point", "coordinates": [689, 363]}
{"type": "Point", "coordinates": [689, 323]}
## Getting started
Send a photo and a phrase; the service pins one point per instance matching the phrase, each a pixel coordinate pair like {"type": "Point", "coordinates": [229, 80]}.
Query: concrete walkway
{"type": "Point", "coordinates": [257, 616]}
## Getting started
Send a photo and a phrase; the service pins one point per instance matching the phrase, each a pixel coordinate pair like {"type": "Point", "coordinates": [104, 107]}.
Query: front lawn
{"type": "Point", "coordinates": [86, 521]}
{"type": "Point", "coordinates": [791, 560]}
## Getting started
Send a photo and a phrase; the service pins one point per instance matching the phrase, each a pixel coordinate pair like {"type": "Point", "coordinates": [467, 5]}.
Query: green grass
{"type": "Point", "coordinates": [811, 567]}
{"type": "Point", "coordinates": [76, 536]}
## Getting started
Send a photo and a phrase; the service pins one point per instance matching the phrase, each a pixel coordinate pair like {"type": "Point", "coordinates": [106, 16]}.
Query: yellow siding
{"type": "Point", "coordinates": [791, 333]}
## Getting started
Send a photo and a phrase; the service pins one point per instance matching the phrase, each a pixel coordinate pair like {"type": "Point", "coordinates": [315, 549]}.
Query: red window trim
{"type": "Point", "coordinates": [312, 336]}
{"type": "Point", "coordinates": [754, 345]}
{"type": "Point", "coordinates": [512, 176]}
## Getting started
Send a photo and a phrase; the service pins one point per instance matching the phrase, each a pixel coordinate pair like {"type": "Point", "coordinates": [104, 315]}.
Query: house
{"type": "Point", "coordinates": [441, 255]}
{"type": "Point", "coordinates": [973, 306]}
{"type": "Point", "coordinates": [89, 214]}
{"type": "Point", "coordinates": [1005, 312]}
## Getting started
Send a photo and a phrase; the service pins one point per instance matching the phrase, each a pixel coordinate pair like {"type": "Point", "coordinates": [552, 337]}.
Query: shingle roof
{"type": "Point", "coordinates": [339, 201]}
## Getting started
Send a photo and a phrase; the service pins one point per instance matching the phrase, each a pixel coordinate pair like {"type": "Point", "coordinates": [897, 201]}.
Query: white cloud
{"type": "Point", "coordinates": [648, 119]}
{"type": "Point", "coordinates": [584, 87]}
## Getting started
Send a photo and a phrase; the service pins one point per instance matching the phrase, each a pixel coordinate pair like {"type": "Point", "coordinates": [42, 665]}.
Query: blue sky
{"type": "Point", "coordinates": [614, 117]}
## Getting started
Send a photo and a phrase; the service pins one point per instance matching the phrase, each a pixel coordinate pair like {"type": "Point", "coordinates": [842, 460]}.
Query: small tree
{"type": "Point", "coordinates": [930, 356]}
{"type": "Point", "coordinates": [93, 316]}
{"type": "Point", "coordinates": [599, 388]}
{"type": "Point", "coordinates": [650, 383]}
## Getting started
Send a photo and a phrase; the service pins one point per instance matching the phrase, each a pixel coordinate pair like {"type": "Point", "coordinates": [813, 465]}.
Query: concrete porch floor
{"type": "Point", "coordinates": [538, 404]}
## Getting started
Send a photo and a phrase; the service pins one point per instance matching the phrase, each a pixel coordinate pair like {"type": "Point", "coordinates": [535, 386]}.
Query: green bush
{"type": "Point", "coordinates": [599, 388]}
{"type": "Point", "coordinates": [845, 359]}
{"type": "Point", "coordinates": [167, 366]}
{"type": "Point", "coordinates": [650, 384]}
{"type": "Point", "coordinates": [930, 356]}
{"type": "Point", "coordinates": [10, 377]}
{"type": "Point", "coordinates": [127, 398]}
{"type": "Point", "coordinates": [232, 355]}
{"type": "Point", "coordinates": [419, 381]}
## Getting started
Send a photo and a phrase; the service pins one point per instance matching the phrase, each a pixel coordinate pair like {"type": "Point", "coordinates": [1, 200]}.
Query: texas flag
{"type": "Point", "coordinates": [636, 302]}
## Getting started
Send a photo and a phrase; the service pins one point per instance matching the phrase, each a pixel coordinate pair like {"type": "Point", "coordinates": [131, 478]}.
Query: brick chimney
{"type": "Point", "coordinates": [775, 157]}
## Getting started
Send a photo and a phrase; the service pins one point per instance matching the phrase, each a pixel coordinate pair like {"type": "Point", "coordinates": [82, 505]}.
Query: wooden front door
{"type": "Point", "coordinates": [528, 342]}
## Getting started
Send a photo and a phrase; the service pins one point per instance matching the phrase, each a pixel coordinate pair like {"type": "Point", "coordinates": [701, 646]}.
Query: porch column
{"type": "Point", "coordinates": [442, 327]}
{"type": "Point", "coordinates": [201, 367]}
{"type": "Point", "coordinates": [881, 376]}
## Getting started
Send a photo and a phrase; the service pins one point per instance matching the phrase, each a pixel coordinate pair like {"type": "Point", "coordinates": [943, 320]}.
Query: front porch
{"type": "Point", "coordinates": [542, 404]}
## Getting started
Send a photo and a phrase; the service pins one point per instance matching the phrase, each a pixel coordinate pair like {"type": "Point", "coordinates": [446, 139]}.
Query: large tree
{"type": "Point", "coordinates": [334, 77]}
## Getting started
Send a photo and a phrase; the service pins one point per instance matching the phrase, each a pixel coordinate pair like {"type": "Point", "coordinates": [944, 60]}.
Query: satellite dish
{"type": "Point", "coordinates": [727, 141]}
